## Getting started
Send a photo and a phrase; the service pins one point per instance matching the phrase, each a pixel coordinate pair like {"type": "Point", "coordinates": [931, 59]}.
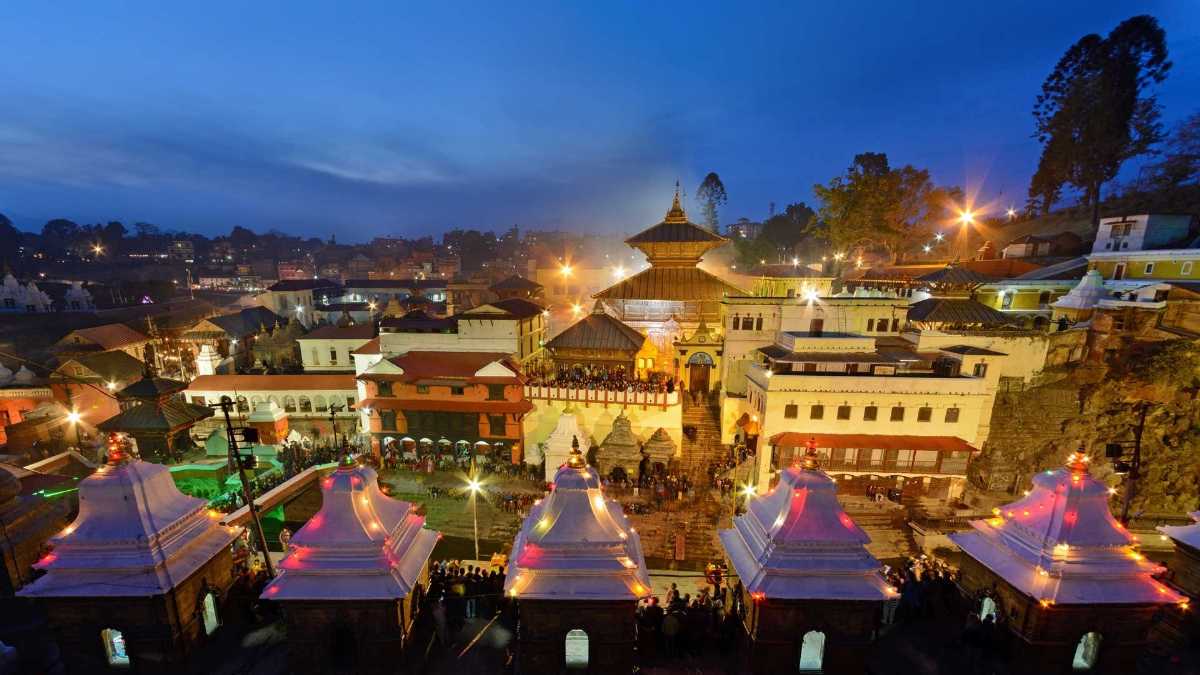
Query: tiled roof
{"type": "Point", "coordinates": [788, 271]}
{"type": "Point", "coordinates": [246, 322]}
{"type": "Point", "coordinates": [314, 382]}
{"type": "Point", "coordinates": [170, 414]}
{"type": "Point", "coordinates": [302, 285]}
{"type": "Point", "coordinates": [151, 388]}
{"type": "Point", "coordinates": [674, 231]}
{"type": "Point", "coordinates": [371, 347]}
{"type": "Point", "coordinates": [956, 311]}
{"type": "Point", "coordinates": [670, 283]}
{"type": "Point", "coordinates": [598, 331]}
{"type": "Point", "coordinates": [517, 308]}
{"type": "Point", "coordinates": [116, 366]}
{"type": "Point", "coordinates": [956, 275]}
{"type": "Point", "coordinates": [446, 405]}
{"type": "Point", "coordinates": [777, 353]}
{"type": "Point", "coordinates": [425, 365]}
{"type": "Point", "coordinates": [108, 336]}
{"type": "Point", "coordinates": [798, 439]}
{"type": "Point", "coordinates": [363, 331]}
{"type": "Point", "coordinates": [515, 283]}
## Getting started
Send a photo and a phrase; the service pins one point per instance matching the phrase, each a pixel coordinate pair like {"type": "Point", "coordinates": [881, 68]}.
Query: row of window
{"type": "Point", "coordinates": [881, 325]}
{"type": "Point", "coordinates": [746, 323]}
{"type": "Point", "coordinates": [289, 403]}
{"type": "Point", "coordinates": [461, 424]}
{"type": "Point", "coordinates": [495, 391]}
{"type": "Point", "coordinates": [870, 413]}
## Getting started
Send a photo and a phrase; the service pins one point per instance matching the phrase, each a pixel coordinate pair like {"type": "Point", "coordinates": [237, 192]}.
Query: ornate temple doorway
{"type": "Point", "coordinates": [699, 367]}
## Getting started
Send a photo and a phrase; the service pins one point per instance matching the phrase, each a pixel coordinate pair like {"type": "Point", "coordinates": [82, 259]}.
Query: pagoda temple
{"type": "Point", "coordinates": [576, 573]}
{"type": "Point", "coordinates": [353, 579]}
{"type": "Point", "coordinates": [1065, 573]}
{"type": "Point", "coordinates": [154, 413]}
{"type": "Point", "coordinates": [813, 594]}
{"type": "Point", "coordinates": [673, 294]}
{"type": "Point", "coordinates": [140, 579]}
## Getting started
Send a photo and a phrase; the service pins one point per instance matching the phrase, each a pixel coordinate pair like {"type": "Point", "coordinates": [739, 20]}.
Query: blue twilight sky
{"type": "Point", "coordinates": [366, 118]}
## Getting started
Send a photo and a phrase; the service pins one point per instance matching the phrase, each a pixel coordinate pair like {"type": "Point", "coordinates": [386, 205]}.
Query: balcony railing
{"type": "Point", "coordinates": [947, 466]}
{"type": "Point", "coordinates": [602, 396]}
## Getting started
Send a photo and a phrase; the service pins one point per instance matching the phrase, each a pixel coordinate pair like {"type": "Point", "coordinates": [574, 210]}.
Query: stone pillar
{"type": "Point", "coordinates": [271, 422]}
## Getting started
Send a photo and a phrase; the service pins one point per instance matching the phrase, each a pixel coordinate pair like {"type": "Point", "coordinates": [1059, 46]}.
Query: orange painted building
{"type": "Point", "coordinates": [431, 399]}
{"type": "Point", "coordinates": [17, 401]}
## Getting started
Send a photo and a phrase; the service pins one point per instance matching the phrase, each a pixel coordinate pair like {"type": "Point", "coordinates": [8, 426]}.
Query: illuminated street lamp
{"type": "Point", "coordinates": [618, 272]}
{"type": "Point", "coordinates": [97, 249]}
{"type": "Point", "coordinates": [577, 309]}
{"type": "Point", "coordinates": [838, 256]}
{"type": "Point", "coordinates": [927, 248]}
{"type": "Point", "coordinates": [939, 236]}
{"type": "Point", "coordinates": [966, 217]}
{"type": "Point", "coordinates": [475, 487]}
{"type": "Point", "coordinates": [565, 270]}
{"type": "Point", "coordinates": [73, 418]}
{"type": "Point", "coordinates": [1012, 213]}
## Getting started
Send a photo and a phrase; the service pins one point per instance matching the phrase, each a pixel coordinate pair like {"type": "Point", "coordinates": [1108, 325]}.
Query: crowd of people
{"type": "Point", "coordinates": [458, 592]}
{"type": "Point", "coordinates": [604, 378]}
{"type": "Point", "coordinates": [684, 626]}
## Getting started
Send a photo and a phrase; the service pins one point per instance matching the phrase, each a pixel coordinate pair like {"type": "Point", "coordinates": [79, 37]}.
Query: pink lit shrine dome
{"type": "Point", "coordinates": [576, 544]}
{"type": "Point", "coordinates": [136, 535]}
{"type": "Point", "coordinates": [361, 545]}
{"type": "Point", "coordinates": [796, 543]}
{"type": "Point", "coordinates": [1062, 545]}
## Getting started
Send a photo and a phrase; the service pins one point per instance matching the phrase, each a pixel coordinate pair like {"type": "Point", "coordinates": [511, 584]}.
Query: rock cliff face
{"type": "Point", "coordinates": [1034, 428]}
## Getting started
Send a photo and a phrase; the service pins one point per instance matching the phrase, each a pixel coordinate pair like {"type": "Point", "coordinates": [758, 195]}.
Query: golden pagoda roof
{"type": "Point", "coordinates": [675, 240]}
{"type": "Point", "coordinates": [670, 283]}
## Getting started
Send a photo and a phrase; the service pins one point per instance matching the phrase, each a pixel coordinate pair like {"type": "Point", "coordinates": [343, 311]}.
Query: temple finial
{"type": "Point", "coordinates": [676, 214]}
{"type": "Point", "coordinates": [809, 461]}
{"type": "Point", "coordinates": [576, 460]}
{"type": "Point", "coordinates": [1078, 461]}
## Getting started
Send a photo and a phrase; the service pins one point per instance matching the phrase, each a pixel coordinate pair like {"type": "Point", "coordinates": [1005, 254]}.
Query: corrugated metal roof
{"type": "Point", "coordinates": [668, 231]}
{"type": "Point", "coordinates": [598, 331]}
{"type": "Point", "coordinates": [956, 275]}
{"type": "Point", "coordinates": [670, 283]}
{"type": "Point", "coordinates": [956, 311]}
{"type": "Point", "coordinates": [170, 414]}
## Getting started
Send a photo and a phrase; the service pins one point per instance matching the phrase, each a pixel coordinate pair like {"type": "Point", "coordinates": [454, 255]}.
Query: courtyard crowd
{"type": "Point", "coordinates": [603, 378]}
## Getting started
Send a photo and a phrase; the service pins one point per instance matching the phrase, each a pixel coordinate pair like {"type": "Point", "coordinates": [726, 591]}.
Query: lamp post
{"type": "Point", "coordinates": [74, 418]}
{"type": "Point", "coordinates": [475, 487]}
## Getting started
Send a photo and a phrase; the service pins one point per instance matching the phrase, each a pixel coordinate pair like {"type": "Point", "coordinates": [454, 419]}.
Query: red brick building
{"type": "Point", "coordinates": [430, 399]}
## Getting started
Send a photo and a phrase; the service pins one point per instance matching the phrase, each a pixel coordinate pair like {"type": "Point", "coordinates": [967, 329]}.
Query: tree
{"type": "Point", "coordinates": [1044, 188]}
{"type": "Point", "coordinates": [1094, 111]}
{"type": "Point", "coordinates": [875, 205]}
{"type": "Point", "coordinates": [711, 195]}
{"type": "Point", "coordinates": [10, 239]}
{"type": "Point", "coordinates": [786, 230]}
{"type": "Point", "coordinates": [1181, 160]}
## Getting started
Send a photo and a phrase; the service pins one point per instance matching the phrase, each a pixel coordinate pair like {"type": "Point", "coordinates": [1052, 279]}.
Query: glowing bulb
{"type": "Point", "coordinates": [966, 217]}
{"type": "Point", "coordinates": [927, 248]}
{"type": "Point", "coordinates": [795, 261]}
{"type": "Point", "coordinates": [111, 385]}
{"type": "Point", "coordinates": [939, 236]}
{"type": "Point", "coordinates": [618, 272]}
{"type": "Point", "coordinates": [474, 485]}
{"type": "Point", "coordinates": [565, 270]}
{"type": "Point", "coordinates": [598, 501]}
{"type": "Point", "coordinates": [73, 417]}
{"type": "Point", "coordinates": [1012, 213]}
{"type": "Point", "coordinates": [811, 295]}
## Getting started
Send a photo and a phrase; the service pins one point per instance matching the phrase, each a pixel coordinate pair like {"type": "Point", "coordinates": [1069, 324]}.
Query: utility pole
{"type": "Point", "coordinates": [1135, 464]}
{"type": "Point", "coordinates": [333, 424]}
{"type": "Point", "coordinates": [236, 458]}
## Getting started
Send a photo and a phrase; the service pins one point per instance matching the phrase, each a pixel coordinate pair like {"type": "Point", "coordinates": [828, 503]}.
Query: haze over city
{"type": "Point", "coordinates": [399, 120]}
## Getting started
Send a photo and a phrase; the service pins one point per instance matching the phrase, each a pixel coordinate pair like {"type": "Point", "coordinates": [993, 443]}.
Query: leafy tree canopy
{"type": "Point", "coordinates": [876, 206]}
{"type": "Point", "coordinates": [711, 195]}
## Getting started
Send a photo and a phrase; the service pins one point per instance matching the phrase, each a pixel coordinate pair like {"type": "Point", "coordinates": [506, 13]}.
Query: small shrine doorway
{"type": "Point", "coordinates": [699, 366]}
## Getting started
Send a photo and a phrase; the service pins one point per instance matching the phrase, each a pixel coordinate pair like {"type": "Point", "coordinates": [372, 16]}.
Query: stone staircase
{"type": "Point", "coordinates": [706, 448]}
{"type": "Point", "coordinates": [884, 522]}
{"type": "Point", "coordinates": [698, 519]}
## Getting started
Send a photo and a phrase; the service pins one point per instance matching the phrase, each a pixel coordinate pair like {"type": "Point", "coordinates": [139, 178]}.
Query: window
{"type": "Point", "coordinates": [289, 404]}
{"type": "Point", "coordinates": [870, 413]}
{"type": "Point", "coordinates": [816, 326]}
{"type": "Point", "coordinates": [747, 323]}
{"type": "Point", "coordinates": [1006, 300]}
{"type": "Point", "coordinates": [758, 323]}
{"type": "Point", "coordinates": [898, 413]}
{"type": "Point", "coordinates": [843, 412]}
{"type": "Point", "coordinates": [387, 420]}
{"type": "Point", "coordinates": [1044, 298]}
{"type": "Point", "coordinates": [333, 354]}
{"type": "Point", "coordinates": [810, 367]}
{"type": "Point", "coordinates": [816, 412]}
{"type": "Point", "coordinates": [350, 403]}
{"type": "Point", "coordinates": [242, 405]}
{"type": "Point", "coordinates": [1185, 269]}
{"type": "Point", "coordinates": [924, 414]}
{"type": "Point", "coordinates": [496, 426]}
{"type": "Point", "coordinates": [495, 392]}
{"type": "Point", "coordinates": [870, 325]}
{"type": "Point", "coordinates": [316, 356]}
{"type": "Point", "coordinates": [1087, 652]}
{"type": "Point", "coordinates": [812, 651]}
{"type": "Point", "coordinates": [881, 325]}
{"type": "Point", "coordinates": [576, 650]}
{"type": "Point", "coordinates": [457, 391]}
{"type": "Point", "coordinates": [852, 368]}
{"type": "Point", "coordinates": [987, 608]}
{"type": "Point", "coordinates": [383, 389]}
{"type": "Point", "coordinates": [791, 411]}
{"type": "Point", "coordinates": [951, 415]}
{"type": "Point", "coordinates": [1118, 322]}
{"type": "Point", "coordinates": [114, 647]}
{"type": "Point", "coordinates": [980, 370]}
{"type": "Point", "coordinates": [733, 323]}
{"type": "Point", "coordinates": [211, 620]}
{"type": "Point", "coordinates": [305, 404]}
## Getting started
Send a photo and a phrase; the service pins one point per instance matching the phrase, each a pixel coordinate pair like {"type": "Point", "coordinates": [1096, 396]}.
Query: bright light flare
{"type": "Point", "coordinates": [927, 248]}
{"type": "Point", "coordinates": [565, 270]}
{"type": "Point", "coordinates": [73, 417]}
{"type": "Point", "coordinates": [618, 272]}
{"type": "Point", "coordinates": [966, 217]}
{"type": "Point", "coordinates": [474, 486]}
{"type": "Point", "coordinates": [577, 308]}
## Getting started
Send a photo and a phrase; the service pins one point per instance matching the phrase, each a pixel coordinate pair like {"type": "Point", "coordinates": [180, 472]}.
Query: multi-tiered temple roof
{"type": "Point", "coordinates": [1061, 544]}
{"type": "Point", "coordinates": [796, 543]}
{"type": "Point", "coordinates": [136, 535]}
{"type": "Point", "coordinates": [577, 545]}
{"type": "Point", "coordinates": [361, 545]}
{"type": "Point", "coordinates": [674, 247]}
